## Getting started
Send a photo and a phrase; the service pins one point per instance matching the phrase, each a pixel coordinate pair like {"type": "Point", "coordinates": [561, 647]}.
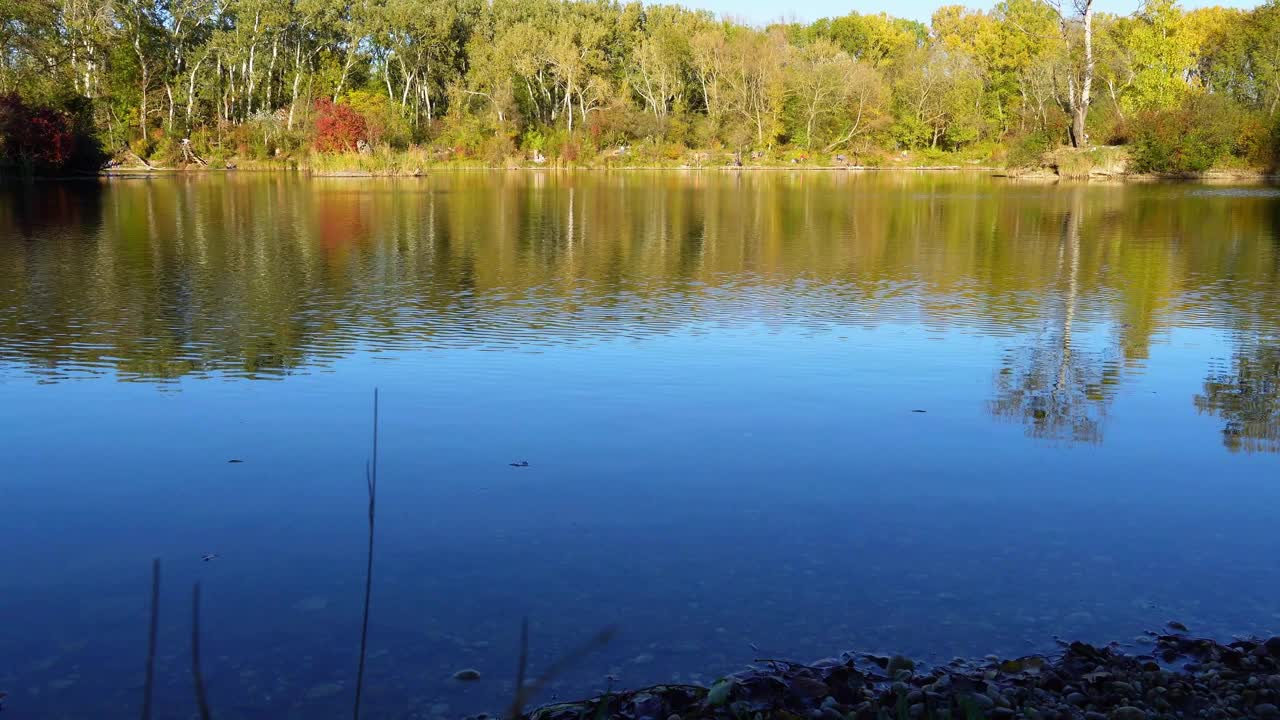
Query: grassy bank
{"type": "Point", "coordinates": [1097, 163]}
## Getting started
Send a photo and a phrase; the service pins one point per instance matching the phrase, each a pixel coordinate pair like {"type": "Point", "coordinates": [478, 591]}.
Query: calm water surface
{"type": "Point", "coordinates": [716, 380]}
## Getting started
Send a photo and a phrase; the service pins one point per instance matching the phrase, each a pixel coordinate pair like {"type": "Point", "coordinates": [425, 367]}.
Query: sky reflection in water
{"type": "Point", "coordinates": [713, 377]}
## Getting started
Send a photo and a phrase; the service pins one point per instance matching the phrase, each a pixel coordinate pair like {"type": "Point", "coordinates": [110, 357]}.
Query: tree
{"type": "Point", "coordinates": [663, 60]}
{"type": "Point", "coordinates": [937, 96]}
{"type": "Point", "coordinates": [140, 20]}
{"type": "Point", "coordinates": [752, 79]}
{"type": "Point", "coordinates": [1077, 34]}
{"type": "Point", "coordinates": [1161, 54]}
{"type": "Point", "coordinates": [34, 138]}
{"type": "Point", "coordinates": [880, 40]}
{"type": "Point", "coordinates": [832, 98]}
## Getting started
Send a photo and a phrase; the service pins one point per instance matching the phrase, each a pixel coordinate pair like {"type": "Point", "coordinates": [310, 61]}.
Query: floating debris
{"type": "Point", "coordinates": [521, 464]}
{"type": "Point", "coordinates": [209, 557]}
{"type": "Point", "coordinates": [467, 675]}
{"type": "Point", "coordinates": [919, 411]}
{"type": "Point", "coordinates": [235, 461]}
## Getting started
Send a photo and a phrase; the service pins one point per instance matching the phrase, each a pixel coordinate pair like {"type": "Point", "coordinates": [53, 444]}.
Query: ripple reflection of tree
{"type": "Point", "coordinates": [1246, 395]}
{"type": "Point", "coordinates": [1059, 390]}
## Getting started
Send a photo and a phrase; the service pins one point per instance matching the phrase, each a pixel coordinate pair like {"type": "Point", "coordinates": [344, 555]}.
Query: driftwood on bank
{"type": "Point", "coordinates": [142, 161]}
{"type": "Point", "coordinates": [189, 156]}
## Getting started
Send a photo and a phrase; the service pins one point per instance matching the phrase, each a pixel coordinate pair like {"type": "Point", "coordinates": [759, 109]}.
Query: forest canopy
{"type": "Point", "coordinates": [575, 80]}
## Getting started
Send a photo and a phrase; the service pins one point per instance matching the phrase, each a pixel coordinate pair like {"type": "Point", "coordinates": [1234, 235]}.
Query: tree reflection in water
{"type": "Point", "coordinates": [1246, 395]}
{"type": "Point", "coordinates": [1059, 389]}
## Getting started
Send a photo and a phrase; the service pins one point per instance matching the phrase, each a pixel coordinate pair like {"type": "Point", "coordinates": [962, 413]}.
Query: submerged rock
{"type": "Point", "coordinates": [467, 675]}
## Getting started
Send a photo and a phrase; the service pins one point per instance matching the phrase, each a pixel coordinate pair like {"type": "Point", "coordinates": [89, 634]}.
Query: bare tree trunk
{"type": "Point", "coordinates": [146, 78]}
{"type": "Point", "coordinates": [297, 78]}
{"type": "Point", "coordinates": [408, 82]}
{"type": "Point", "coordinates": [142, 103]}
{"type": "Point", "coordinates": [271, 71]}
{"type": "Point", "coordinates": [346, 67]}
{"type": "Point", "coordinates": [191, 91]}
{"type": "Point", "coordinates": [386, 75]}
{"type": "Point", "coordinates": [250, 78]}
{"type": "Point", "coordinates": [568, 104]}
{"type": "Point", "coordinates": [1080, 102]}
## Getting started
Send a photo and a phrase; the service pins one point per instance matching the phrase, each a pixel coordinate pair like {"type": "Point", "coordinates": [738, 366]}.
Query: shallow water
{"type": "Point", "coordinates": [715, 379]}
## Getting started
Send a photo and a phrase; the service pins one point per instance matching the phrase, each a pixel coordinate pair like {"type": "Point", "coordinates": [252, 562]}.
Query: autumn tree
{"type": "Point", "coordinates": [832, 98]}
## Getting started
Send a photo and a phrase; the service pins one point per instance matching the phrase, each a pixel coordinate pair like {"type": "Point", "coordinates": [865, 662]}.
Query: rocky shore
{"type": "Point", "coordinates": [1180, 677]}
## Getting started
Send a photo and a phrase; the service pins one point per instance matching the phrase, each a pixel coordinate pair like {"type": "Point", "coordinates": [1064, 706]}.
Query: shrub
{"type": "Point", "coordinates": [1258, 142]}
{"type": "Point", "coordinates": [338, 127]}
{"type": "Point", "coordinates": [1029, 150]}
{"type": "Point", "coordinates": [1190, 138]}
{"type": "Point", "coordinates": [166, 150]}
{"type": "Point", "coordinates": [384, 120]}
{"type": "Point", "coordinates": [533, 141]}
{"type": "Point", "coordinates": [35, 138]}
{"type": "Point", "coordinates": [497, 149]}
{"type": "Point", "coordinates": [909, 133]}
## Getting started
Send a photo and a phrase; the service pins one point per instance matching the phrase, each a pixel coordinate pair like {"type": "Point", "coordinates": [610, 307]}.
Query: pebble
{"type": "Point", "coordinates": [1128, 712]}
{"type": "Point", "coordinates": [467, 675]}
{"type": "Point", "coordinates": [982, 701]}
{"type": "Point", "coordinates": [898, 662]}
{"type": "Point", "coordinates": [1266, 710]}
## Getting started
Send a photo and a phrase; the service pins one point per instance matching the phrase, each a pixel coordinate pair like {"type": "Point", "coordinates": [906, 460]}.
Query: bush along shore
{"type": "Point", "coordinates": [1180, 677]}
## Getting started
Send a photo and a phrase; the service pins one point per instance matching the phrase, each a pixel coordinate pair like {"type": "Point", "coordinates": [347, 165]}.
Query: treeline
{"type": "Point", "coordinates": [584, 80]}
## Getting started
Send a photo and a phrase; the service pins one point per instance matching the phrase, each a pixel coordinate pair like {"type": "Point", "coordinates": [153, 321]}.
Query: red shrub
{"type": "Point", "coordinates": [338, 127]}
{"type": "Point", "coordinates": [35, 137]}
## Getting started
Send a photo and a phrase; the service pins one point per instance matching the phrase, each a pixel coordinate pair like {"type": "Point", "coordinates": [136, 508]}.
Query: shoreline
{"type": "Point", "coordinates": [1043, 175]}
{"type": "Point", "coordinates": [1211, 176]}
{"type": "Point", "coordinates": [1181, 676]}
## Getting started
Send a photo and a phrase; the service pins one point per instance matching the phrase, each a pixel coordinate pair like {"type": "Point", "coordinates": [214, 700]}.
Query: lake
{"type": "Point", "coordinates": [765, 414]}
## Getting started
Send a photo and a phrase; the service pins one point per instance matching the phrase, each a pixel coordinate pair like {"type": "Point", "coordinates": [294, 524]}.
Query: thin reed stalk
{"type": "Point", "coordinates": [149, 685]}
{"type": "Point", "coordinates": [197, 675]}
{"type": "Point", "coordinates": [371, 481]}
{"type": "Point", "coordinates": [565, 661]}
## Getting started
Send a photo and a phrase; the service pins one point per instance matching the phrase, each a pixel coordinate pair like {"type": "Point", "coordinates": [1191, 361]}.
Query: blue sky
{"type": "Point", "coordinates": [758, 12]}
